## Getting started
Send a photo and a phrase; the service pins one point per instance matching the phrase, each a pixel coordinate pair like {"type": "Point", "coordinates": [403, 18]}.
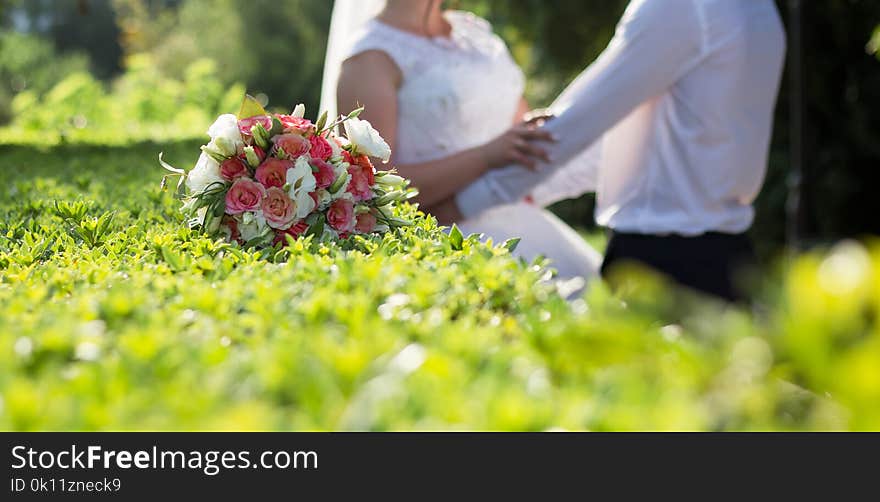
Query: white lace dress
{"type": "Point", "coordinates": [458, 93]}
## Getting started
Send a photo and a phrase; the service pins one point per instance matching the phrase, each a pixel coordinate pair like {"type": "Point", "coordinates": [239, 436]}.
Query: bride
{"type": "Point", "coordinates": [445, 93]}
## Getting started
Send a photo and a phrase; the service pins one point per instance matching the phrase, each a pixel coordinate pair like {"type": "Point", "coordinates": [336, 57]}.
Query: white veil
{"type": "Point", "coordinates": [348, 18]}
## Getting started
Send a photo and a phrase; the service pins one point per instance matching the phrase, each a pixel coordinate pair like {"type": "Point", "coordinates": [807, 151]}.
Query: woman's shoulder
{"type": "Point", "coordinates": [376, 40]}
{"type": "Point", "coordinates": [371, 35]}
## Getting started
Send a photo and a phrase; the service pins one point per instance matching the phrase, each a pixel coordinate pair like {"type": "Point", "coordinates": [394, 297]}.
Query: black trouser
{"type": "Point", "coordinates": [711, 263]}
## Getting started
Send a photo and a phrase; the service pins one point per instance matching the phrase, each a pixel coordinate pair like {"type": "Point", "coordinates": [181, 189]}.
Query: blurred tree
{"type": "Point", "coordinates": [276, 48]}
{"type": "Point", "coordinates": [553, 44]}
{"type": "Point", "coordinates": [143, 24]}
{"type": "Point", "coordinates": [31, 63]}
{"type": "Point", "coordinates": [842, 128]}
{"type": "Point", "coordinates": [87, 26]}
{"type": "Point", "coordinates": [7, 9]}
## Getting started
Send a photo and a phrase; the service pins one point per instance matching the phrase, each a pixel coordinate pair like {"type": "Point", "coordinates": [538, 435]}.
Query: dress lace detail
{"type": "Point", "coordinates": [456, 93]}
{"type": "Point", "coordinates": [460, 92]}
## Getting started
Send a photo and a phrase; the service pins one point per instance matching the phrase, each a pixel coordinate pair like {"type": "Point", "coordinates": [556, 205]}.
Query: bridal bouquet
{"type": "Point", "coordinates": [265, 179]}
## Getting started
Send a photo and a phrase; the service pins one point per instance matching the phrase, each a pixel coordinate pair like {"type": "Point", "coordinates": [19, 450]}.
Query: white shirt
{"type": "Point", "coordinates": [682, 99]}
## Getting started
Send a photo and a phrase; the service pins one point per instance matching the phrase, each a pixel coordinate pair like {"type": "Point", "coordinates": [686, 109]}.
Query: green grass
{"type": "Point", "coordinates": [113, 316]}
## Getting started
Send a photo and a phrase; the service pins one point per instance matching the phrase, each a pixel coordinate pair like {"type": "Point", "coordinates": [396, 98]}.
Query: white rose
{"type": "Point", "coordinates": [206, 172]}
{"type": "Point", "coordinates": [334, 146]}
{"type": "Point", "coordinates": [253, 226]}
{"type": "Point", "coordinates": [225, 137]}
{"type": "Point", "coordinates": [300, 183]}
{"type": "Point", "coordinates": [367, 140]}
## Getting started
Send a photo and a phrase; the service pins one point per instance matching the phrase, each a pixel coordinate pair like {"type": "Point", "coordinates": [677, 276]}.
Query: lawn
{"type": "Point", "coordinates": [114, 316]}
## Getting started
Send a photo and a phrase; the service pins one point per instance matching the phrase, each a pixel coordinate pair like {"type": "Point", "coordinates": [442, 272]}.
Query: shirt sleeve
{"type": "Point", "coordinates": [578, 176]}
{"type": "Point", "coordinates": [656, 42]}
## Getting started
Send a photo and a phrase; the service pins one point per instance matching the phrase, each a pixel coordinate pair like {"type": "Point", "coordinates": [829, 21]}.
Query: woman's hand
{"type": "Point", "coordinates": [518, 146]}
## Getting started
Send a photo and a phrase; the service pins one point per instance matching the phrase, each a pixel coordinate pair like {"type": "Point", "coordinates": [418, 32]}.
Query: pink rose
{"type": "Point", "coordinates": [320, 148]}
{"type": "Point", "coordinates": [366, 166]}
{"type": "Point", "coordinates": [273, 172]}
{"type": "Point", "coordinates": [297, 125]}
{"type": "Point", "coordinates": [293, 145]}
{"type": "Point", "coordinates": [362, 179]}
{"type": "Point", "coordinates": [324, 174]}
{"type": "Point", "coordinates": [346, 156]}
{"type": "Point", "coordinates": [278, 209]}
{"type": "Point", "coordinates": [244, 195]}
{"type": "Point", "coordinates": [245, 125]}
{"type": "Point", "coordinates": [294, 231]}
{"type": "Point", "coordinates": [366, 223]}
{"type": "Point", "coordinates": [234, 168]}
{"type": "Point", "coordinates": [340, 215]}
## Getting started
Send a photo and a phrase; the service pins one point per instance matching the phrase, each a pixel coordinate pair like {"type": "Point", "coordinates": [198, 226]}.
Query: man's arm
{"type": "Point", "coordinates": [578, 176]}
{"type": "Point", "coordinates": [656, 42]}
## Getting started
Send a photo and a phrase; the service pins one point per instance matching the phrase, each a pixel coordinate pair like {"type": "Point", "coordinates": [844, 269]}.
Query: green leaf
{"type": "Point", "coordinates": [220, 208]}
{"type": "Point", "coordinates": [277, 127]}
{"type": "Point", "coordinates": [456, 238]}
{"type": "Point", "coordinates": [291, 240]}
{"type": "Point", "coordinates": [250, 107]}
{"type": "Point", "coordinates": [511, 244]}
{"type": "Point", "coordinates": [74, 211]}
{"type": "Point", "coordinates": [322, 121]}
{"type": "Point", "coordinates": [173, 259]}
{"type": "Point", "coordinates": [316, 225]}
{"type": "Point", "coordinates": [337, 184]}
{"type": "Point", "coordinates": [256, 241]}
{"type": "Point", "coordinates": [104, 222]}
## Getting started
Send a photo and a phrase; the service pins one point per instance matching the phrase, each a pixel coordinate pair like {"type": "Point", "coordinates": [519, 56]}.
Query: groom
{"type": "Point", "coordinates": [682, 101]}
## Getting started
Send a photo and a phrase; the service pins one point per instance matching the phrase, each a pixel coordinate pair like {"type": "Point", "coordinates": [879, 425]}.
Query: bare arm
{"type": "Point", "coordinates": [446, 211]}
{"type": "Point", "coordinates": [371, 79]}
{"type": "Point", "coordinates": [521, 111]}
